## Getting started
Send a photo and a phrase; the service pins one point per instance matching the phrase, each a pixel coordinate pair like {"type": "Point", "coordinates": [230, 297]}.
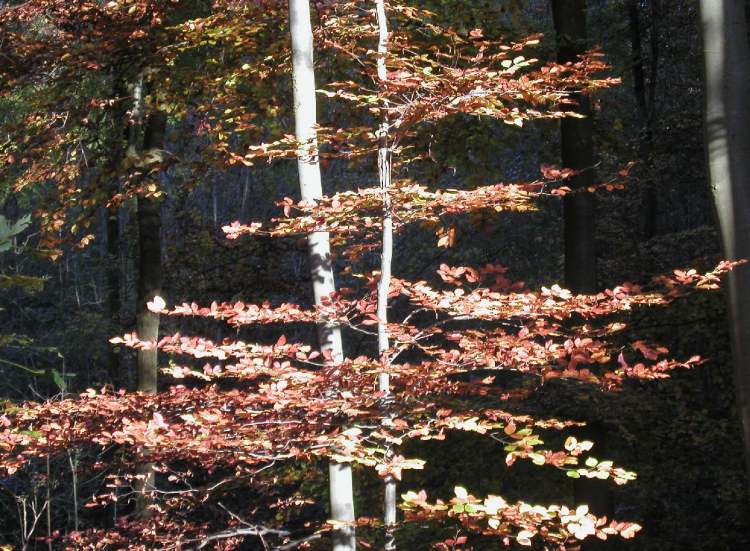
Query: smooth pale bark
{"type": "Point", "coordinates": [340, 486]}
{"type": "Point", "coordinates": [384, 174]}
{"type": "Point", "coordinates": [305, 119]}
{"type": "Point", "coordinates": [727, 127]}
{"type": "Point", "coordinates": [319, 251]}
{"type": "Point", "coordinates": [577, 153]}
{"type": "Point", "coordinates": [386, 260]}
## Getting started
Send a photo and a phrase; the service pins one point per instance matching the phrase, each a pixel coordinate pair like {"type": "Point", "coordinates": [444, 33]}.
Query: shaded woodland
{"type": "Point", "coordinates": [134, 133]}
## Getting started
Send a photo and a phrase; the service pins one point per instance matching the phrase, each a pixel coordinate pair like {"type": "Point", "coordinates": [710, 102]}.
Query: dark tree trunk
{"type": "Point", "coordinates": [114, 302]}
{"type": "Point", "coordinates": [149, 286]}
{"type": "Point", "coordinates": [577, 153]}
{"type": "Point", "coordinates": [113, 259]}
{"type": "Point", "coordinates": [639, 79]}
{"type": "Point", "coordinates": [645, 102]}
{"type": "Point", "coordinates": [149, 261]}
{"type": "Point", "coordinates": [579, 210]}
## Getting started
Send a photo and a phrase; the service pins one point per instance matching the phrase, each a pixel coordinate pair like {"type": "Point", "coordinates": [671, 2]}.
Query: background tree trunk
{"type": "Point", "coordinates": [114, 304]}
{"type": "Point", "coordinates": [319, 250]}
{"type": "Point", "coordinates": [646, 112]}
{"type": "Point", "coordinates": [149, 286]}
{"type": "Point", "coordinates": [579, 210]}
{"type": "Point", "coordinates": [726, 58]}
{"type": "Point", "coordinates": [577, 153]}
{"type": "Point", "coordinates": [149, 262]}
{"type": "Point", "coordinates": [113, 257]}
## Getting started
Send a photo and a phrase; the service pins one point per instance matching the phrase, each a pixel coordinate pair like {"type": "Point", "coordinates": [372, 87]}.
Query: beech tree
{"type": "Point", "coordinates": [577, 153]}
{"type": "Point", "coordinates": [230, 425]}
{"type": "Point", "coordinates": [321, 269]}
{"type": "Point", "coordinates": [727, 84]}
{"type": "Point", "coordinates": [644, 89]}
{"type": "Point", "coordinates": [149, 260]}
{"type": "Point", "coordinates": [113, 257]}
{"type": "Point", "coordinates": [579, 209]}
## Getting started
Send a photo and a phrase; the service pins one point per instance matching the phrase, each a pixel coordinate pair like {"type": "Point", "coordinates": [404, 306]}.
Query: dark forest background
{"type": "Point", "coordinates": [681, 434]}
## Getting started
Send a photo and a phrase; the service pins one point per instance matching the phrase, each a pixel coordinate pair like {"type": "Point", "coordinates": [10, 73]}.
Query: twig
{"type": "Point", "coordinates": [250, 530]}
{"type": "Point", "coordinates": [297, 543]}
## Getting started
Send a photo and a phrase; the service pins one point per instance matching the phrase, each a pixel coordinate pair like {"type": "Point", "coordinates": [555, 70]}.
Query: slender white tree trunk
{"type": "Point", "coordinates": [329, 335]}
{"type": "Point", "coordinates": [386, 259]}
{"type": "Point", "coordinates": [726, 57]}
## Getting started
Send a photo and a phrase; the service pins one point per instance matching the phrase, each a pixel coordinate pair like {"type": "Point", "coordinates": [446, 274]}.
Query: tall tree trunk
{"type": "Point", "coordinates": [113, 260]}
{"type": "Point", "coordinates": [577, 153]}
{"type": "Point", "coordinates": [114, 303]}
{"type": "Point", "coordinates": [579, 211]}
{"type": "Point", "coordinates": [646, 112]}
{"type": "Point", "coordinates": [386, 259]}
{"type": "Point", "coordinates": [149, 261]}
{"type": "Point", "coordinates": [726, 59]}
{"type": "Point", "coordinates": [319, 251]}
{"type": "Point", "coordinates": [149, 286]}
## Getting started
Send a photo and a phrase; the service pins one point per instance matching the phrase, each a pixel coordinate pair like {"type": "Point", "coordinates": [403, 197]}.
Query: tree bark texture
{"type": "Point", "coordinates": [726, 58]}
{"type": "Point", "coordinates": [319, 250]}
